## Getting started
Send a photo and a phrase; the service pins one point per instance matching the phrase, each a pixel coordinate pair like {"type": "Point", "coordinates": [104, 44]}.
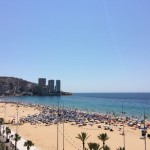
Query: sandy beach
{"type": "Point", "coordinates": [45, 137]}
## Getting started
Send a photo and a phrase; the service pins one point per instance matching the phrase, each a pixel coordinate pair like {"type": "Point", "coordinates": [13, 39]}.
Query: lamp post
{"type": "Point", "coordinates": [57, 126]}
{"type": "Point", "coordinates": [17, 119]}
{"type": "Point", "coordinates": [63, 126]}
{"type": "Point", "coordinates": [123, 128]}
{"type": "Point", "coordinates": [144, 130]}
{"type": "Point", "coordinates": [5, 113]}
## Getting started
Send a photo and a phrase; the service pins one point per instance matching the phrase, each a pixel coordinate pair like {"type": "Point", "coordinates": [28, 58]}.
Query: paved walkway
{"type": "Point", "coordinates": [20, 143]}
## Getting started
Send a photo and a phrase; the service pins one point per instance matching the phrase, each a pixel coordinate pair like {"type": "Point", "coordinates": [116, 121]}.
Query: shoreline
{"type": "Point", "coordinates": [140, 116]}
{"type": "Point", "coordinates": [87, 102]}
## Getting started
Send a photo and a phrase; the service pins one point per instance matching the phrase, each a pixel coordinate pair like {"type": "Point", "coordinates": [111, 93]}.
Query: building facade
{"type": "Point", "coordinates": [51, 86]}
{"type": "Point", "coordinates": [58, 86]}
{"type": "Point", "coordinates": [44, 91]}
{"type": "Point", "coordinates": [42, 82]}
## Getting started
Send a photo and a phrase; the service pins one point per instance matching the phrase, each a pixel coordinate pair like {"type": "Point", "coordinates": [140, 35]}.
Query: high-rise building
{"type": "Point", "coordinates": [58, 86]}
{"type": "Point", "coordinates": [42, 82]}
{"type": "Point", "coordinates": [51, 86]}
{"type": "Point", "coordinates": [44, 91]}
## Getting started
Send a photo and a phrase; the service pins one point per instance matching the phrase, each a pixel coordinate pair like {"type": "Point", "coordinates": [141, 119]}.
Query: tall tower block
{"type": "Point", "coordinates": [42, 82]}
{"type": "Point", "coordinates": [51, 86]}
{"type": "Point", "coordinates": [58, 86]}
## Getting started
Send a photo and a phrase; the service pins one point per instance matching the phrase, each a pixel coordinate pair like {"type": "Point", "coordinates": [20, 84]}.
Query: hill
{"type": "Point", "coordinates": [12, 85]}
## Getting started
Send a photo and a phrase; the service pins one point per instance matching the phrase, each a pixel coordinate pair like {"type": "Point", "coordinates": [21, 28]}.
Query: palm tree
{"type": "Point", "coordinates": [103, 137]}
{"type": "Point", "coordinates": [121, 148]}
{"type": "Point", "coordinates": [83, 137]}
{"type": "Point", "coordinates": [28, 144]}
{"type": "Point", "coordinates": [1, 123]}
{"type": "Point", "coordinates": [94, 146]}
{"type": "Point", "coordinates": [16, 139]}
{"type": "Point", "coordinates": [90, 145]}
{"type": "Point", "coordinates": [106, 147]}
{"type": "Point", "coordinates": [7, 132]}
{"type": "Point", "coordinates": [2, 146]}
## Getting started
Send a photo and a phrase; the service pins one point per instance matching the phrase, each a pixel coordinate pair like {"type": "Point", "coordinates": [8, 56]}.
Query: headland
{"type": "Point", "coordinates": [11, 86]}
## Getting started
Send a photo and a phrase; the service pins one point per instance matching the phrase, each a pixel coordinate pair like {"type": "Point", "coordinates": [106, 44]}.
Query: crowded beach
{"type": "Point", "coordinates": [48, 126]}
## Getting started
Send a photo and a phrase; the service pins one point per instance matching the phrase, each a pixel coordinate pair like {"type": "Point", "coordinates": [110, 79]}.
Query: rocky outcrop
{"type": "Point", "coordinates": [12, 85]}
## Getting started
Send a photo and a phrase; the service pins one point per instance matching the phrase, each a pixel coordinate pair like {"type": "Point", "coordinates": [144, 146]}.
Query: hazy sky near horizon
{"type": "Point", "coordinates": [90, 45]}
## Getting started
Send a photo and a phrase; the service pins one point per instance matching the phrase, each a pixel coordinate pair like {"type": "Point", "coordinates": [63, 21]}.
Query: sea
{"type": "Point", "coordinates": [131, 104]}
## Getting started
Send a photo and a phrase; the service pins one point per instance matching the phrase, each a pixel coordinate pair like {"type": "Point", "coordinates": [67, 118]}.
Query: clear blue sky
{"type": "Point", "coordinates": [90, 45]}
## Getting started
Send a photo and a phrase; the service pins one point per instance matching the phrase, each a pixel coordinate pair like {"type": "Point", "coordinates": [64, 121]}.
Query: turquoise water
{"type": "Point", "coordinates": [133, 103]}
